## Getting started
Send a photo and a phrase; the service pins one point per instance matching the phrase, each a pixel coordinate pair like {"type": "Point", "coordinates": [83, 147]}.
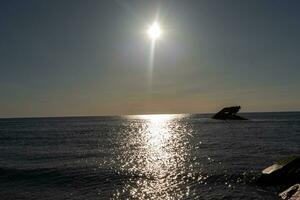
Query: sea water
{"type": "Point", "coordinates": [143, 157]}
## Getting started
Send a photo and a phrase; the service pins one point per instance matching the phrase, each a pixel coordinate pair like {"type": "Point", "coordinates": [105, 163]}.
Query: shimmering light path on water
{"type": "Point", "coordinates": [159, 150]}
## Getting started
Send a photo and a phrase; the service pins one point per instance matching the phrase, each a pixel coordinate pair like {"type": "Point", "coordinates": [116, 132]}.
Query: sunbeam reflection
{"type": "Point", "coordinates": [151, 62]}
{"type": "Point", "coordinates": [155, 154]}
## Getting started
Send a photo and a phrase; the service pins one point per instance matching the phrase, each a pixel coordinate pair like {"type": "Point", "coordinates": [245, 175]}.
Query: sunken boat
{"type": "Point", "coordinates": [229, 113]}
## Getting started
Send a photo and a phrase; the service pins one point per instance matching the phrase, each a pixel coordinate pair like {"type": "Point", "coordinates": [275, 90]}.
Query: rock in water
{"type": "Point", "coordinates": [286, 171]}
{"type": "Point", "coordinates": [292, 193]}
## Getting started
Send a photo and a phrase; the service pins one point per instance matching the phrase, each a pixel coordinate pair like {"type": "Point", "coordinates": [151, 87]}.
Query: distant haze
{"type": "Point", "coordinates": [75, 57]}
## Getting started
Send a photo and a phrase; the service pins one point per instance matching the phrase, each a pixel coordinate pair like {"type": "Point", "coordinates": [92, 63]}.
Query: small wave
{"type": "Point", "coordinates": [68, 177]}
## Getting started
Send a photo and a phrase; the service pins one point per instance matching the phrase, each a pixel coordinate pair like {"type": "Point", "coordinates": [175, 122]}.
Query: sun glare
{"type": "Point", "coordinates": [158, 117]}
{"type": "Point", "coordinates": [154, 31]}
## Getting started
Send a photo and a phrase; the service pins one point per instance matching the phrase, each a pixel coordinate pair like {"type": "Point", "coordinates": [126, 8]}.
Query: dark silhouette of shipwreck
{"type": "Point", "coordinates": [229, 113]}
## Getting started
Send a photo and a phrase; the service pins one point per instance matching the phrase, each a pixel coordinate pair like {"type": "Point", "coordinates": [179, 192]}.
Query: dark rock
{"type": "Point", "coordinates": [229, 113]}
{"type": "Point", "coordinates": [292, 193]}
{"type": "Point", "coordinates": [283, 172]}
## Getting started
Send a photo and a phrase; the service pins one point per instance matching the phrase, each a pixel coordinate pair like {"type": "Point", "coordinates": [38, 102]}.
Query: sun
{"type": "Point", "coordinates": [154, 31]}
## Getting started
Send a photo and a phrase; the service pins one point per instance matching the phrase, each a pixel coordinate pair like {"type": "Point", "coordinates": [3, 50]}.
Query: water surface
{"type": "Point", "coordinates": [143, 157]}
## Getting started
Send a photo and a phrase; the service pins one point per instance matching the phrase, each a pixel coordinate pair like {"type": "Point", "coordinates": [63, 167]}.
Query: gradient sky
{"type": "Point", "coordinates": [89, 57]}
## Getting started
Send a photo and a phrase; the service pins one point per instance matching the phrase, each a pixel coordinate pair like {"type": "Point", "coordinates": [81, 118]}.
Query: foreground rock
{"type": "Point", "coordinates": [292, 193]}
{"type": "Point", "coordinates": [229, 113]}
{"type": "Point", "coordinates": [283, 172]}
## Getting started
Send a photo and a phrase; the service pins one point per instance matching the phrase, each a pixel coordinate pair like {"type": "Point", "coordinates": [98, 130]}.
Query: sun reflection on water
{"type": "Point", "coordinates": [154, 153]}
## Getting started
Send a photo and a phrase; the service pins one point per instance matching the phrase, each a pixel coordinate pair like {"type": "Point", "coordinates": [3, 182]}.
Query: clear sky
{"type": "Point", "coordinates": [89, 57]}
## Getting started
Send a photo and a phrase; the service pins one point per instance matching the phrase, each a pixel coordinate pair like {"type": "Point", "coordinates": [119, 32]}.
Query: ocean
{"type": "Point", "coordinates": [143, 157]}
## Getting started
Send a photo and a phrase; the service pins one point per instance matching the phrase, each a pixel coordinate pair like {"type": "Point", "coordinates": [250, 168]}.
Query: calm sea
{"type": "Point", "coordinates": [143, 157]}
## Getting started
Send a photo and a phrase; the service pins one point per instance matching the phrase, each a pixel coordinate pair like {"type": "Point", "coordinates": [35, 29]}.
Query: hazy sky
{"type": "Point", "coordinates": [91, 57]}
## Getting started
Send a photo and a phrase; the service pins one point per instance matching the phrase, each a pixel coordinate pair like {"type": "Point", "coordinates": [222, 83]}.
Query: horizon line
{"type": "Point", "coordinates": [120, 115]}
